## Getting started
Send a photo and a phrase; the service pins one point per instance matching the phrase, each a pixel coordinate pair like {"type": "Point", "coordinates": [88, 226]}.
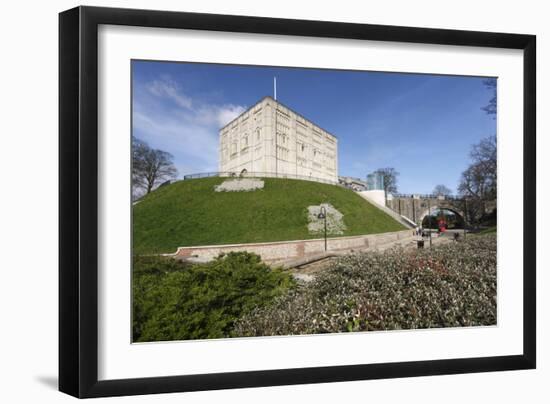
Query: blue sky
{"type": "Point", "coordinates": [422, 125]}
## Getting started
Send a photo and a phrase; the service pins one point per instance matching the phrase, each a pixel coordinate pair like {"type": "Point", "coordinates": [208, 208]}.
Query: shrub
{"type": "Point", "coordinates": [450, 285]}
{"type": "Point", "coordinates": [175, 301]}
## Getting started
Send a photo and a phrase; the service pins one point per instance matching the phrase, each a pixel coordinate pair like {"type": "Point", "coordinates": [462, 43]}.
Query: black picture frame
{"type": "Point", "coordinates": [78, 201]}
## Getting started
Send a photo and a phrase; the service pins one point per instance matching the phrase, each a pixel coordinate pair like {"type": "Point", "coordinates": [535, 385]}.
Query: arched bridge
{"type": "Point", "coordinates": [416, 207]}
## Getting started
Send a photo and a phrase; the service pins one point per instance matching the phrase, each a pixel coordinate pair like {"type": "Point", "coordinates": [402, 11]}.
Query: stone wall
{"type": "Point", "coordinates": [416, 207]}
{"type": "Point", "coordinates": [283, 250]}
{"type": "Point", "coordinates": [271, 138]}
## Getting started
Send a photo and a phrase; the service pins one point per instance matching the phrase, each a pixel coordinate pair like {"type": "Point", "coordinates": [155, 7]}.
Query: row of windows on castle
{"type": "Point", "coordinates": [283, 135]}
{"type": "Point", "coordinates": [283, 118]}
{"type": "Point", "coordinates": [326, 158]}
{"type": "Point", "coordinates": [320, 161]}
{"type": "Point", "coordinates": [283, 138]}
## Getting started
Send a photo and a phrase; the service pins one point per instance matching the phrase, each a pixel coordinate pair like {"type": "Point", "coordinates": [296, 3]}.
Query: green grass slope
{"type": "Point", "coordinates": [191, 213]}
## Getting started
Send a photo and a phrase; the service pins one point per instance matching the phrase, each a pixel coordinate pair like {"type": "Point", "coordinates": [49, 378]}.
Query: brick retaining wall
{"type": "Point", "coordinates": [295, 249]}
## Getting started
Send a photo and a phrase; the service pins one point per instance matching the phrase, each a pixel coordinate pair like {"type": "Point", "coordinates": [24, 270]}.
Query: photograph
{"type": "Point", "coordinates": [245, 202]}
{"type": "Point", "coordinates": [278, 201]}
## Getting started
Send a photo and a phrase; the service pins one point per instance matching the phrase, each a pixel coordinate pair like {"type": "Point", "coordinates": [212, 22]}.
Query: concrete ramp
{"type": "Point", "coordinates": [376, 201]}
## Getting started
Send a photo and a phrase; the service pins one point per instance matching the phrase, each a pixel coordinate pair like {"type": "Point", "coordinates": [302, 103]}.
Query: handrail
{"type": "Point", "coordinates": [249, 174]}
{"type": "Point", "coordinates": [428, 196]}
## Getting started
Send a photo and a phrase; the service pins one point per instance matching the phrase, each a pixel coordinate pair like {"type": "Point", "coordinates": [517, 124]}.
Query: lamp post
{"type": "Point", "coordinates": [465, 213]}
{"type": "Point", "coordinates": [430, 221]}
{"type": "Point", "coordinates": [323, 215]}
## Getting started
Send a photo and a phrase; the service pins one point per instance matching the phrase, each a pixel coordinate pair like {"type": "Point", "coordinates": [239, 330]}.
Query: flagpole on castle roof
{"type": "Point", "coordinates": [275, 88]}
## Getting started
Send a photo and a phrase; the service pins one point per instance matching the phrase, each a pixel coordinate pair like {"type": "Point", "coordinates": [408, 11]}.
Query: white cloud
{"type": "Point", "coordinates": [217, 115]}
{"type": "Point", "coordinates": [169, 89]}
{"type": "Point", "coordinates": [168, 119]}
{"type": "Point", "coordinates": [229, 112]}
{"type": "Point", "coordinates": [178, 137]}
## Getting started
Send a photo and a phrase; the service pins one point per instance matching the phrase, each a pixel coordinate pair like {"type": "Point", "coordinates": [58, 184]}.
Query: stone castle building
{"type": "Point", "coordinates": [271, 139]}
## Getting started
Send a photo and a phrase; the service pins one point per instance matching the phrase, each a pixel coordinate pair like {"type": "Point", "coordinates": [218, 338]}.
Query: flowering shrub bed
{"type": "Point", "coordinates": [238, 185]}
{"type": "Point", "coordinates": [451, 285]}
{"type": "Point", "coordinates": [334, 220]}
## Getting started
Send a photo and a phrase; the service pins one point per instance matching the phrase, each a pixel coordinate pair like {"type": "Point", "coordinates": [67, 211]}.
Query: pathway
{"type": "Point", "coordinates": [306, 268]}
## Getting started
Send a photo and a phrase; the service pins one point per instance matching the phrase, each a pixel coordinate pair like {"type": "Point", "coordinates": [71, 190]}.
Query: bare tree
{"type": "Point", "coordinates": [389, 176]}
{"type": "Point", "coordinates": [441, 190]}
{"type": "Point", "coordinates": [491, 107]}
{"type": "Point", "coordinates": [478, 183]}
{"type": "Point", "coordinates": [484, 157]}
{"type": "Point", "coordinates": [480, 178]}
{"type": "Point", "coordinates": [150, 167]}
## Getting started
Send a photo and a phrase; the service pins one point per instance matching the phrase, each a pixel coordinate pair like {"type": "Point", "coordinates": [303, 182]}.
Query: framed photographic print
{"type": "Point", "coordinates": [249, 201]}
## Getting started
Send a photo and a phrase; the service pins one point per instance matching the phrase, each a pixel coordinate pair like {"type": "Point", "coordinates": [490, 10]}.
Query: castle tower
{"type": "Point", "coordinates": [271, 139]}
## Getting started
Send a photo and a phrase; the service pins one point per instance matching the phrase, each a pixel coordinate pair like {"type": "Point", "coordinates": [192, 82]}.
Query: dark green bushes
{"type": "Point", "coordinates": [177, 301]}
{"type": "Point", "coordinates": [452, 285]}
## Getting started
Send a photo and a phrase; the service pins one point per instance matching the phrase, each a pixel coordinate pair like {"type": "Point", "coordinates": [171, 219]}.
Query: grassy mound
{"type": "Point", "coordinates": [190, 213]}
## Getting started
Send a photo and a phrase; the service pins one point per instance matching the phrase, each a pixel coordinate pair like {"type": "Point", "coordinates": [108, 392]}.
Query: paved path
{"type": "Point", "coordinates": [307, 267]}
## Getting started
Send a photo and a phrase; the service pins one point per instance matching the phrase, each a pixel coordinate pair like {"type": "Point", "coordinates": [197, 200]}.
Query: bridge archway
{"type": "Point", "coordinates": [452, 216]}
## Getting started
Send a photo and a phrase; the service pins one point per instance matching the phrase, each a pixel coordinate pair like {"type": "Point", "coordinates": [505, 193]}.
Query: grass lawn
{"type": "Point", "coordinates": [190, 212]}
